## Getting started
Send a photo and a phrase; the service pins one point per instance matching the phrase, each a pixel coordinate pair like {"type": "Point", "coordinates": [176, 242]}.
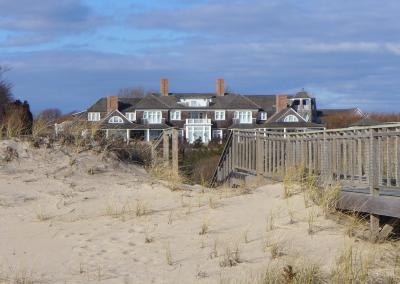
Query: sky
{"type": "Point", "coordinates": [69, 53]}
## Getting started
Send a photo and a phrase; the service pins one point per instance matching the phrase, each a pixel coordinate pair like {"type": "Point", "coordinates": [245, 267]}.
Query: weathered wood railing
{"type": "Point", "coordinates": [168, 153]}
{"type": "Point", "coordinates": [363, 160]}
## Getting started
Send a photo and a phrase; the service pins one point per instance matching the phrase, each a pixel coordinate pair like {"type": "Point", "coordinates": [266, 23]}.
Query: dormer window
{"type": "Point", "coordinates": [194, 102]}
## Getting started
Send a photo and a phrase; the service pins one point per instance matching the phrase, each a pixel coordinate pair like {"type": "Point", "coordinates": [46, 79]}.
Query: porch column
{"type": "Point", "coordinates": [147, 135]}
{"type": "Point", "coordinates": [106, 133]}
{"type": "Point", "coordinates": [127, 136]}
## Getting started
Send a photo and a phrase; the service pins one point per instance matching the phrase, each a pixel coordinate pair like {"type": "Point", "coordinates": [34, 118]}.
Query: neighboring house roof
{"type": "Point", "coordinates": [280, 116]}
{"type": "Point", "coordinates": [343, 111]}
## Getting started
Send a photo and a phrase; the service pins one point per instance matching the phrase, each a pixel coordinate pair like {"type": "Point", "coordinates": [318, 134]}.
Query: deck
{"type": "Point", "coordinates": [364, 161]}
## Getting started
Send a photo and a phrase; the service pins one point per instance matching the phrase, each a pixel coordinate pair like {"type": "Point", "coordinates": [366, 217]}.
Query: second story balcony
{"type": "Point", "coordinates": [198, 121]}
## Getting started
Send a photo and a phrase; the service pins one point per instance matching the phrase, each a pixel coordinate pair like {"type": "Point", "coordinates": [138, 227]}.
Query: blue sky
{"type": "Point", "coordinates": [68, 53]}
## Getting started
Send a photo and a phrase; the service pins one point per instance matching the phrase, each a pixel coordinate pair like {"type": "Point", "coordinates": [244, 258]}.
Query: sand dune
{"type": "Point", "coordinates": [68, 217]}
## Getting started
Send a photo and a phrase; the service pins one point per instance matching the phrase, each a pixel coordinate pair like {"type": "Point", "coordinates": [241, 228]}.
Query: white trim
{"type": "Point", "coordinates": [291, 118]}
{"type": "Point", "coordinates": [123, 116]}
{"type": "Point", "coordinates": [173, 115]}
{"type": "Point", "coordinates": [290, 109]}
{"type": "Point", "coordinates": [128, 114]}
{"type": "Point", "coordinates": [116, 119]}
{"type": "Point", "coordinates": [220, 117]}
{"type": "Point", "coordinates": [237, 116]}
{"type": "Point", "coordinates": [94, 116]}
{"type": "Point", "coordinates": [156, 112]}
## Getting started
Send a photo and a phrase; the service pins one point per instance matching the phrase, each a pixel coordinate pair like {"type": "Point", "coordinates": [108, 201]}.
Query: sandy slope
{"type": "Point", "coordinates": [56, 224]}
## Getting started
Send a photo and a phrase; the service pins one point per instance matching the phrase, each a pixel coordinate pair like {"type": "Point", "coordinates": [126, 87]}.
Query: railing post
{"type": "Point", "coordinates": [174, 151]}
{"type": "Point", "coordinates": [373, 181]}
{"type": "Point", "coordinates": [166, 148]}
{"type": "Point", "coordinates": [259, 154]}
{"type": "Point", "coordinates": [325, 160]}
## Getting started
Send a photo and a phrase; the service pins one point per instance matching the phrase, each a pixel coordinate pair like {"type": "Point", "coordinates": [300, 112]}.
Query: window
{"type": "Point", "coordinates": [217, 134]}
{"type": "Point", "coordinates": [131, 116]}
{"type": "Point", "coordinates": [93, 116]}
{"type": "Point", "coordinates": [291, 118]}
{"type": "Point", "coordinates": [243, 116]}
{"type": "Point", "coordinates": [263, 115]}
{"type": "Point", "coordinates": [152, 116]}
{"type": "Point", "coordinates": [115, 119]}
{"type": "Point", "coordinates": [175, 115]}
{"type": "Point", "coordinates": [219, 115]}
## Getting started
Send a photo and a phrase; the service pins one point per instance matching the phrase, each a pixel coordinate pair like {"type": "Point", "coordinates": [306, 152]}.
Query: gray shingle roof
{"type": "Point", "coordinates": [265, 102]}
{"type": "Point", "coordinates": [152, 102]}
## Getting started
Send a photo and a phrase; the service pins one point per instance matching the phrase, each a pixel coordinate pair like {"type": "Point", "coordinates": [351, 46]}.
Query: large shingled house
{"type": "Point", "coordinates": [203, 116]}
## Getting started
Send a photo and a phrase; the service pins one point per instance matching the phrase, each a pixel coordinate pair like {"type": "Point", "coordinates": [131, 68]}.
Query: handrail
{"type": "Point", "coordinates": [221, 159]}
{"type": "Point", "coordinates": [340, 154]}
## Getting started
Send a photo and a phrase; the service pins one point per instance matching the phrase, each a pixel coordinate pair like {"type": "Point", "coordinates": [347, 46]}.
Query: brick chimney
{"type": "Point", "coordinates": [281, 102]}
{"type": "Point", "coordinates": [112, 103]}
{"type": "Point", "coordinates": [220, 87]}
{"type": "Point", "coordinates": [164, 87]}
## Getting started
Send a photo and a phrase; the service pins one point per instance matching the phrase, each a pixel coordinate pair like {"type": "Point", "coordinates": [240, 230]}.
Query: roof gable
{"type": "Point", "coordinates": [280, 116]}
{"type": "Point", "coordinates": [115, 113]}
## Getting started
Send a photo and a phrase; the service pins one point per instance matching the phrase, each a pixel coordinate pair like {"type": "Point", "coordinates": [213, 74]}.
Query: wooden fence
{"type": "Point", "coordinates": [365, 161]}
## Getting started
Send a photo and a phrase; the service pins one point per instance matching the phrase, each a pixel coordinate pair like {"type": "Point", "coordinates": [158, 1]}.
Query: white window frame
{"type": "Point", "coordinates": [93, 116]}
{"type": "Point", "coordinates": [291, 118]}
{"type": "Point", "coordinates": [175, 115]}
{"type": "Point", "coordinates": [153, 116]}
{"type": "Point", "coordinates": [217, 134]}
{"type": "Point", "coordinates": [263, 115]}
{"type": "Point", "coordinates": [219, 115]}
{"type": "Point", "coordinates": [244, 116]}
{"type": "Point", "coordinates": [115, 119]}
{"type": "Point", "coordinates": [131, 116]}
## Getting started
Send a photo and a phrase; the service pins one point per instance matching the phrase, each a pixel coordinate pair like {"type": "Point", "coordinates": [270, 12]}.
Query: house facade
{"type": "Point", "coordinates": [201, 116]}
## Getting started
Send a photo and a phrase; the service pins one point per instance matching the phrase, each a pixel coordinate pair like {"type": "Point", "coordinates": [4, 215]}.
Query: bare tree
{"type": "Point", "coordinates": [136, 92]}
{"type": "Point", "coordinates": [50, 114]}
{"type": "Point", "coordinates": [5, 93]}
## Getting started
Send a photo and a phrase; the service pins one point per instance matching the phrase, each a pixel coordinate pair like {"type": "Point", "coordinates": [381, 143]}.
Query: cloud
{"type": "Point", "coordinates": [44, 20]}
{"type": "Point", "coordinates": [344, 51]}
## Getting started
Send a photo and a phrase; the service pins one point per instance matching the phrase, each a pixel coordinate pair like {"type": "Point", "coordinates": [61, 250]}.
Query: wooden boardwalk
{"type": "Point", "coordinates": [365, 161]}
